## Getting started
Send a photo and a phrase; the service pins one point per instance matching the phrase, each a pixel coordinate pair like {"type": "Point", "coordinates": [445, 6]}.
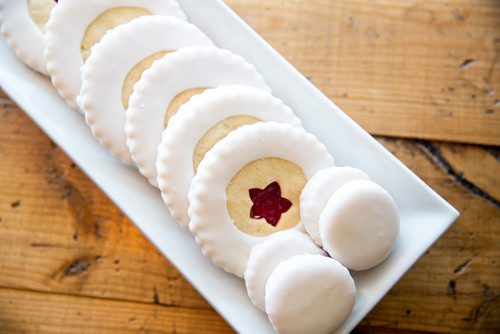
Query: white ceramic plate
{"type": "Point", "coordinates": [424, 215]}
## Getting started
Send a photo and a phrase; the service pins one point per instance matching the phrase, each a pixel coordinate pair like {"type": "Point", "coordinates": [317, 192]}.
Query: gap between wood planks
{"type": "Point", "coordinates": [35, 312]}
{"type": "Point", "coordinates": [155, 301]}
{"type": "Point", "coordinates": [435, 154]}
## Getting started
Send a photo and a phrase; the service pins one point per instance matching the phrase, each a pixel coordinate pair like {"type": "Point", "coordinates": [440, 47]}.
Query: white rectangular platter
{"type": "Point", "coordinates": [424, 215]}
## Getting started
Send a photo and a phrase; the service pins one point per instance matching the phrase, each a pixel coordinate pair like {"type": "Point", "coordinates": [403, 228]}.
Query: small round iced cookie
{"type": "Point", "coordinates": [23, 26]}
{"type": "Point", "coordinates": [75, 26]}
{"type": "Point", "coordinates": [265, 256]}
{"type": "Point", "coordinates": [199, 124]}
{"type": "Point", "coordinates": [169, 83]}
{"type": "Point", "coordinates": [247, 187]}
{"type": "Point", "coordinates": [318, 191]}
{"type": "Point", "coordinates": [359, 225]}
{"type": "Point", "coordinates": [106, 89]}
{"type": "Point", "coordinates": [309, 294]}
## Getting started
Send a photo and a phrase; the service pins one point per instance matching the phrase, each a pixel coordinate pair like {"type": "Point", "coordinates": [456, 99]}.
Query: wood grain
{"type": "Point", "coordinates": [418, 69]}
{"type": "Point", "coordinates": [35, 312]}
{"type": "Point", "coordinates": [60, 233]}
{"type": "Point", "coordinates": [455, 286]}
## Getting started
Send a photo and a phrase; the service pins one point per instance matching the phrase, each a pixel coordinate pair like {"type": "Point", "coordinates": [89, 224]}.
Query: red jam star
{"type": "Point", "coordinates": [268, 203]}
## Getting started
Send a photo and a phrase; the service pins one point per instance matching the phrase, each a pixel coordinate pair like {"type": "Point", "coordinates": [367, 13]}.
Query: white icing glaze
{"type": "Point", "coordinates": [112, 59]}
{"type": "Point", "coordinates": [193, 67]}
{"type": "Point", "coordinates": [210, 222]}
{"type": "Point", "coordinates": [318, 191]}
{"type": "Point", "coordinates": [192, 121]}
{"type": "Point", "coordinates": [359, 225]}
{"type": "Point", "coordinates": [22, 34]}
{"type": "Point", "coordinates": [309, 294]}
{"type": "Point", "coordinates": [265, 256]}
{"type": "Point", "coordinates": [66, 28]}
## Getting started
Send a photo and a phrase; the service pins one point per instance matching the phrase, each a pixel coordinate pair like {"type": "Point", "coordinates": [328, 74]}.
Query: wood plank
{"type": "Point", "coordinates": [417, 69]}
{"type": "Point", "coordinates": [455, 287]}
{"type": "Point", "coordinates": [35, 312]}
{"type": "Point", "coordinates": [60, 233]}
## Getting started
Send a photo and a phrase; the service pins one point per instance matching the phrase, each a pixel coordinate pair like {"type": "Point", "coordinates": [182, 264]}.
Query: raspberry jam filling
{"type": "Point", "coordinates": [268, 203]}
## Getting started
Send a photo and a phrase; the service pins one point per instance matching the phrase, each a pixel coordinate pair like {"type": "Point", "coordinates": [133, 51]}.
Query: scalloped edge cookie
{"type": "Point", "coordinates": [22, 34]}
{"type": "Point", "coordinates": [66, 28]}
{"type": "Point", "coordinates": [101, 94]}
{"type": "Point", "coordinates": [210, 222]}
{"type": "Point", "coordinates": [193, 120]}
{"type": "Point", "coordinates": [187, 68]}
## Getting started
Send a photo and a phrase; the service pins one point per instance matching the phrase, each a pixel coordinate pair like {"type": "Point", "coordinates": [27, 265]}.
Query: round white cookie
{"type": "Point", "coordinates": [168, 84]}
{"type": "Point", "coordinates": [359, 225]}
{"type": "Point", "coordinates": [318, 191]}
{"type": "Point", "coordinates": [200, 124]}
{"type": "Point", "coordinates": [309, 294]}
{"type": "Point", "coordinates": [265, 256]}
{"type": "Point", "coordinates": [114, 67]}
{"type": "Point", "coordinates": [75, 26]}
{"type": "Point", "coordinates": [23, 26]}
{"type": "Point", "coordinates": [248, 186]}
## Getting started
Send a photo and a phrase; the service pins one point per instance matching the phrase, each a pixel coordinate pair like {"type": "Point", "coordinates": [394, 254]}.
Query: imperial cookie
{"type": "Point", "coordinates": [75, 26]}
{"type": "Point", "coordinates": [23, 26]}
{"type": "Point", "coordinates": [199, 125]}
{"type": "Point", "coordinates": [248, 186]}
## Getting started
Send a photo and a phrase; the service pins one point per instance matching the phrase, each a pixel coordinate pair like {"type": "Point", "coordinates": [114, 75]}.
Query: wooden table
{"type": "Point", "coordinates": [423, 77]}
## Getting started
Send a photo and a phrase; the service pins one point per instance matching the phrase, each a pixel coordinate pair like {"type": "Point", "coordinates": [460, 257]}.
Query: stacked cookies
{"type": "Point", "coordinates": [261, 196]}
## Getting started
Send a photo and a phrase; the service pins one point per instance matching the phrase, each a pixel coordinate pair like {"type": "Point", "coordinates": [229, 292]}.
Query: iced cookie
{"type": "Point", "coordinates": [199, 124]}
{"type": "Point", "coordinates": [75, 26]}
{"type": "Point", "coordinates": [23, 25]}
{"type": "Point", "coordinates": [359, 225]}
{"type": "Point", "coordinates": [318, 191]}
{"type": "Point", "coordinates": [265, 256]}
{"type": "Point", "coordinates": [248, 187]}
{"type": "Point", "coordinates": [309, 294]}
{"type": "Point", "coordinates": [109, 75]}
{"type": "Point", "coordinates": [169, 83]}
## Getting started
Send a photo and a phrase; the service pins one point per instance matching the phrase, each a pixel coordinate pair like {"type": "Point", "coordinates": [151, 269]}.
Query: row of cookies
{"type": "Point", "coordinates": [266, 177]}
{"type": "Point", "coordinates": [232, 162]}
